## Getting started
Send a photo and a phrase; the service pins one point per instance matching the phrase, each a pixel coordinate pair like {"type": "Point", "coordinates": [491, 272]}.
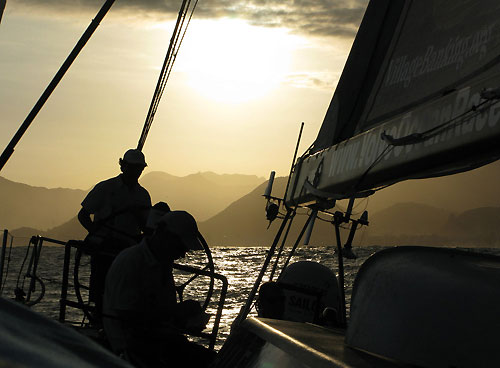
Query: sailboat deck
{"type": "Point", "coordinates": [296, 344]}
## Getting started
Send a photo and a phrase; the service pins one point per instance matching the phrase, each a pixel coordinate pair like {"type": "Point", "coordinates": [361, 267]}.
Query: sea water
{"type": "Point", "coordinates": [240, 265]}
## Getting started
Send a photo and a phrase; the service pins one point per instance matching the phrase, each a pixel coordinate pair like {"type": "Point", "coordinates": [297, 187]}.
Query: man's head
{"type": "Point", "coordinates": [132, 164]}
{"type": "Point", "coordinates": [176, 234]}
{"type": "Point", "coordinates": [155, 214]}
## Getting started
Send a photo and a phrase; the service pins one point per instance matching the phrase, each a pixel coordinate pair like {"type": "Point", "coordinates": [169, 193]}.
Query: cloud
{"type": "Point", "coordinates": [315, 17]}
{"type": "Point", "coordinates": [314, 80]}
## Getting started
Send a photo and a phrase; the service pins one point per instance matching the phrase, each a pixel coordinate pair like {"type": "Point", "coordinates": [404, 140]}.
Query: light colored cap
{"type": "Point", "coordinates": [134, 157]}
{"type": "Point", "coordinates": [184, 226]}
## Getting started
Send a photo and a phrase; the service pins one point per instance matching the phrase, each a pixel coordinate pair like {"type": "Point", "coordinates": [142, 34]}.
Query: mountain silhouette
{"type": "Point", "coordinates": [244, 222]}
{"type": "Point", "coordinates": [28, 210]}
{"type": "Point", "coordinates": [455, 193]}
{"type": "Point", "coordinates": [417, 224]}
{"type": "Point", "coordinates": [202, 194]}
{"type": "Point", "coordinates": [22, 205]}
{"type": "Point", "coordinates": [408, 218]}
{"type": "Point", "coordinates": [456, 210]}
{"type": "Point", "coordinates": [476, 227]}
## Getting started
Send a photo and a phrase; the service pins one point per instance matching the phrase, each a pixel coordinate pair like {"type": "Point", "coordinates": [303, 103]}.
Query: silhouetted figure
{"type": "Point", "coordinates": [120, 207]}
{"type": "Point", "coordinates": [141, 316]}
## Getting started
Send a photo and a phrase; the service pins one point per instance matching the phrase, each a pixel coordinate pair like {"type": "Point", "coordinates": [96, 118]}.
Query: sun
{"type": "Point", "coordinates": [231, 61]}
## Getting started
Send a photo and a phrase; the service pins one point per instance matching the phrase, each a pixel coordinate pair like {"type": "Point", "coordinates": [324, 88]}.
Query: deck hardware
{"type": "Point", "coordinates": [269, 188]}
{"type": "Point", "coordinates": [280, 251]}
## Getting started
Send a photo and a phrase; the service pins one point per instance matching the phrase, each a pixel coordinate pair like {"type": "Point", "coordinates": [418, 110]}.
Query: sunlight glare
{"type": "Point", "coordinates": [230, 61]}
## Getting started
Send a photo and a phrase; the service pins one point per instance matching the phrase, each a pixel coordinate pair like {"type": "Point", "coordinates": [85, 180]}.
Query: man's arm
{"type": "Point", "coordinates": [85, 220]}
{"type": "Point", "coordinates": [92, 204]}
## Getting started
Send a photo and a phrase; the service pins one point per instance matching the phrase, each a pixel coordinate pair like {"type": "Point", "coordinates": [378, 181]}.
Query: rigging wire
{"type": "Point", "coordinates": [9, 150]}
{"type": "Point", "coordinates": [180, 29]}
{"type": "Point", "coordinates": [362, 237]}
{"type": "Point", "coordinates": [375, 162]}
{"type": "Point", "coordinates": [366, 202]}
{"type": "Point", "coordinates": [473, 111]}
{"type": "Point", "coordinates": [415, 138]}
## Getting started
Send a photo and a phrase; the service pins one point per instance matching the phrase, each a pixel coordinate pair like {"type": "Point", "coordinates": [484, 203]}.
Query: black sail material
{"type": "Point", "coordinates": [407, 53]}
{"type": "Point", "coordinates": [411, 100]}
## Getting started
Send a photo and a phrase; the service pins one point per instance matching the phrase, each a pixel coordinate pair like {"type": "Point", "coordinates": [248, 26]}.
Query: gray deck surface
{"type": "Point", "coordinates": [314, 345]}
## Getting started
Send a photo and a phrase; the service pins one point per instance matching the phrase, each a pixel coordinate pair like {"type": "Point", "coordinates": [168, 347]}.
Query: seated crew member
{"type": "Point", "coordinates": [120, 207]}
{"type": "Point", "coordinates": [141, 316]}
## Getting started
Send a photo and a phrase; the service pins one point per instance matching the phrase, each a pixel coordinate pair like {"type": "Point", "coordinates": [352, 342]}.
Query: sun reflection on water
{"type": "Point", "coordinates": [241, 266]}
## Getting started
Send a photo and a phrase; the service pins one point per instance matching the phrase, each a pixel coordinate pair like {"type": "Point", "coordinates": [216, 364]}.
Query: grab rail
{"type": "Point", "coordinates": [220, 305]}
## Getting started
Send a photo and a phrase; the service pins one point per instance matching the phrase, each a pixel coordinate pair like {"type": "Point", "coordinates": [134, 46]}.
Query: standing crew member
{"type": "Point", "coordinates": [120, 207]}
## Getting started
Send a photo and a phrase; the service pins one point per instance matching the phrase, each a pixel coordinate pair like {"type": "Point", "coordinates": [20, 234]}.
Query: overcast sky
{"type": "Point", "coordinates": [248, 73]}
{"type": "Point", "coordinates": [323, 17]}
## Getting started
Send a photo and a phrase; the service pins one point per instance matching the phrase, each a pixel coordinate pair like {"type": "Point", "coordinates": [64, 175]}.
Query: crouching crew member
{"type": "Point", "coordinates": [141, 316]}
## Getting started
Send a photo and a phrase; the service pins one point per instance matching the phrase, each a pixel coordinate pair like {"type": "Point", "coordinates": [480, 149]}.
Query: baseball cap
{"type": "Point", "coordinates": [134, 157]}
{"type": "Point", "coordinates": [184, 226]}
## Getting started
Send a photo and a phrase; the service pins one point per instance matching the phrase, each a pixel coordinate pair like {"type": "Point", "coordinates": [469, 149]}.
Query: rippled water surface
{"type": "Point", "coordinates": [240, 266]}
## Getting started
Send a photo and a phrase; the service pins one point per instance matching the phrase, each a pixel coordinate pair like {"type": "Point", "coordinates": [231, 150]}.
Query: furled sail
{"type": "Point", "coordinates": [418, 97]}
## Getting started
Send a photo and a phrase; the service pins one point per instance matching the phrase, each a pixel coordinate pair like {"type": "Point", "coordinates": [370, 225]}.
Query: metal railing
{"type": "Point", "coordinates": [212, 336]}
{"type": "Point", "coordinates": [32, 257]}
{"type": "Point", "coordinates": [31, 272]}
